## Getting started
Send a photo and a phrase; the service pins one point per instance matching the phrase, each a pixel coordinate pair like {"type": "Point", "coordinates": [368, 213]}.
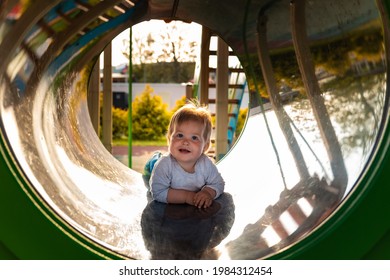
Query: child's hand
{"type": "Point", "coordinates": [204, 198]}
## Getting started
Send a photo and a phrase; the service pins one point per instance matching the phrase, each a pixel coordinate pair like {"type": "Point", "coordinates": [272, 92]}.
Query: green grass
{"type": "Point", "coordinates": [124, 142]}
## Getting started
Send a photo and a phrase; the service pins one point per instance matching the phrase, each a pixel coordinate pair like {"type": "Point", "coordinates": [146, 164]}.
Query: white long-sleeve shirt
{"type": "Point", "coordinates": [167, 173]}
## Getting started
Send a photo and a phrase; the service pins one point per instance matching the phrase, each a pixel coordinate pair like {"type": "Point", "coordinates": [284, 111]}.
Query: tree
{"type": "Point", "coordinates": [168, 44]}
{"type": "Point", "coordinates": [150, 116]}
{"type": "Point", "coordinates": [163, 72]}
{"type": "Point", "coordinates": [164, 55]}
{"type": "Point", "coordinates": [175, 47]}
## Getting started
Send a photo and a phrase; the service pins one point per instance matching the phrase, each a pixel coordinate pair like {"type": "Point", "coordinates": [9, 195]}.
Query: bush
{"type": "Point", "coordinates": [119, 123]}
{"type": "Point", "coordinates": [241, 121]}
{"type": "Point", "coordinates": [150, 116]}
{"type": "Point", "coordinates": [179, 103]}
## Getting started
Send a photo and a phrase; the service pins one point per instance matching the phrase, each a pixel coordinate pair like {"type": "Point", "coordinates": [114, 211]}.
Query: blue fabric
{"type": "Point", "coordinates": [151, 162]}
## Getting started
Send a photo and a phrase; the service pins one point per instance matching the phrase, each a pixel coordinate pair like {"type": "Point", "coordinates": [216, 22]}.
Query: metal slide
{"type": "Point", "coordinates": [306, 180]}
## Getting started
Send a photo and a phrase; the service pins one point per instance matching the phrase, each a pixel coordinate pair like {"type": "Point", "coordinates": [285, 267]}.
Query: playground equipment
{"type": "Point", "coordinates": [305, 180]}
{"type": "Point", "coordinates": [219, 83]}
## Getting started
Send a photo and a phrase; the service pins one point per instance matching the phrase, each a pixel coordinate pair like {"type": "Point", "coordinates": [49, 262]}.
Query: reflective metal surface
{"type": "Point", "coordinates": [292, 166]}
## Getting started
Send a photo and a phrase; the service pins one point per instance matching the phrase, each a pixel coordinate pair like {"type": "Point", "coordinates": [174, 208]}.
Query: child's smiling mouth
{"type": "Point", "coordinates": [184, 150]}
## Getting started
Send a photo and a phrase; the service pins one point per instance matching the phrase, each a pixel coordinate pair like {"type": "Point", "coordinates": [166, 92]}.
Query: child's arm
{"type": "Point", "coordinates": [160, 187]}
{"type": "Point", "coordinates": [180, 196]}
{"type": "Point", "coordinates": [215, 184]}
{"type": "Point", "coordinates": [160, 180]}
{"type": "Point", "coordinates": [205, 197]}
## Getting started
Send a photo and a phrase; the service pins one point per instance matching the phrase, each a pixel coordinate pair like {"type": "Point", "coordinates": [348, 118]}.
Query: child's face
{"type": "Point", "coordinates": [186, 144]}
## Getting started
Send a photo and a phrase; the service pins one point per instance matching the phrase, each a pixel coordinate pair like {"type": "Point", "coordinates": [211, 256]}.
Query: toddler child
{"type": "Point", "coordinates": [186, 174]}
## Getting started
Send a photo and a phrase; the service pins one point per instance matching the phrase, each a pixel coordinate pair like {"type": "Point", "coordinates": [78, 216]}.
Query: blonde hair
{"type": "Point", "coordinates": [192, 111]}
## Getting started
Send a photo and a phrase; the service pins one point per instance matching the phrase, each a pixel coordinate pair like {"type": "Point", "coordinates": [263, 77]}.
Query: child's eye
{"type": "Point", "coordinates": [195, 138]}
{"type": "Point", "coordinates": [179, 135]}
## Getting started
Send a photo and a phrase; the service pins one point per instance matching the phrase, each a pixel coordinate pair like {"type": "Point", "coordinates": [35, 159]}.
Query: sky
{"type": "Point", "coordinates": [189, 31]}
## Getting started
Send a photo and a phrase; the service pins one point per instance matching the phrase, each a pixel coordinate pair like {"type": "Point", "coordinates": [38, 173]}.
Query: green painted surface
{"type": "Point", "coordinates": [358, 230]}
